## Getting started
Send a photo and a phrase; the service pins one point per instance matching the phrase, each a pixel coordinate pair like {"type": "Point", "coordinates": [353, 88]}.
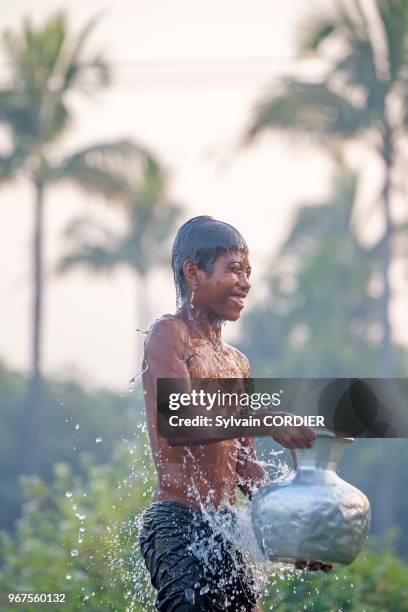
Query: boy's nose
{"type": "Point", "coordinates": [244, 282]}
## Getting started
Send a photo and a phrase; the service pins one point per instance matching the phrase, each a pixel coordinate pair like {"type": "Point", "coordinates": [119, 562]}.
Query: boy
{"type": "Point", "coordinates": [198, 478]}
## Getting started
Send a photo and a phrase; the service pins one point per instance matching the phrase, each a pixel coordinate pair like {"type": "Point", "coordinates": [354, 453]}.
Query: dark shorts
{"type": "Point", "coordinates": [193, 567]}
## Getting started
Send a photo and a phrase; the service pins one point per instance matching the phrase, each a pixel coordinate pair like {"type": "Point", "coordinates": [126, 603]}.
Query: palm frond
{"type": "Point", "coordinates": [108, 169]}
{"type": "Point", "coordinates": [86, 229]}
{"type": "Point", "coordinates": [34, 51]}
{"type": "Point", "coordinates": [7, 105]}
{"type": "Point", "coordinates": [308, 107]}
{"type": "Point", "coordinates": [96, 258]}
{"type": "Point", "coordinates": [394, 19]}
{"type": "Point", "coordinates": [72, 68]}
{"type": "Point", "coordinates": [11, 164]}
{"type": "Point", "coordinates": [94, 245]}
{"type": "Point", "coordinates": [315, 30]}
{"type": "Point", "coordinates": [318, 222]}
{"type": "Point", "coordinates": [343, 20]}
{"type": "Point", "coordinates": [45, 65]}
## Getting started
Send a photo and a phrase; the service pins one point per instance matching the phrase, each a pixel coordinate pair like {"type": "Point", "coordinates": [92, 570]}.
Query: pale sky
{"type": "Point", "coordinates": [193, 125]}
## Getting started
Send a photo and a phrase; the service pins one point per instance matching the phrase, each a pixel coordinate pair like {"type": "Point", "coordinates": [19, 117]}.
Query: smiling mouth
{"type": "Point", "coordinates": [238, 300]}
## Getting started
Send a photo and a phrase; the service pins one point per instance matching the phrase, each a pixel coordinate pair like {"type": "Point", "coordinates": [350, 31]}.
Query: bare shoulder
{"type": "Point", "coordinates": [167, 331]}
{"type": "Point", "coordinates": [242, 360]}
{"type": "Point", "coordinates": [167, 323]}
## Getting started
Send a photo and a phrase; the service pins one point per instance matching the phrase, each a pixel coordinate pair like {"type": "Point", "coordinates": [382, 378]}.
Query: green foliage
{"type": "Point", "coordinates": [377, 467]}
{"type": "Point", "coordinates": [108, 572]}
{"type": "Point", "coordinates": [362, 92]}
{"type": "Point", "coordinates": [150, 220]}
{"type": "Point", "coordinates": [321, 317]}
{"type": "Point", "coordinates": [99, 414]}
{"type": "Point", "coordinates": [353, 94]}
{"type": "Point", "coordinates": [85, 543]}
{"type": "Point", "coordinates": [47, 64]}
{"type": "Point", "coordinates": [373, 583]}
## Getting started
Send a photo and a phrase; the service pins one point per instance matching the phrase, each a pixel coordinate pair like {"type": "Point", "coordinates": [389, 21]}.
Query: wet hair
{"type": "Point", "coordinates": [202, 240]}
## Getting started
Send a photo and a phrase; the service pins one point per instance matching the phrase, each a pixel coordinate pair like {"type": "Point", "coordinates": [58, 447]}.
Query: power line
{"type": "Point", "coordinates": [194, 61]}
{"type": "Point", "coordinates": [190, 73]}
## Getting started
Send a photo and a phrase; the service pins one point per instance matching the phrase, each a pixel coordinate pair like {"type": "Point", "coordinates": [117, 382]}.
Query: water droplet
{"type": "Point", "coordinates": [77, 426]}
{"type": "Point", "coordinates": [133, 380]}
{"type": "Point", "coordinates": [68, 494]}
{"type": "Point", "coordinates": [68, 576]}
{"type": "Point", "coordinates": [98, 440]}
{"type": "Point", "coordinates": [74, 552]}
{"type": "Point", "coordinates": [139, 331]}
{"type": "Point", "coordinates": [82, 529]}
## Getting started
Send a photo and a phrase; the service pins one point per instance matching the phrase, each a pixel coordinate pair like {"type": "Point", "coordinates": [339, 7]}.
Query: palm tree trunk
{"type": "Point", "coordinates": [386, 356]}
{"type": "Point", "coordinates": [33, 420]}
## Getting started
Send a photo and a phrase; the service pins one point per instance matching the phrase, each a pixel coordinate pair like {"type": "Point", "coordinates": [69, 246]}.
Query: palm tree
{"type": "Point", "coordinates": [364, 92]}
{"type": "Point", "coordinates": [46, 65]}
{"type": "Point", "coordinates": [319, 318]}
{"type": "Point", "coordinates": [150, 220]}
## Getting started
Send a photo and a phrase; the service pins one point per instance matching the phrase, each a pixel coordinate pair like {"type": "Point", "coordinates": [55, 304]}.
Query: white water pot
{"type": "Point", "coordinates": [314, 514]}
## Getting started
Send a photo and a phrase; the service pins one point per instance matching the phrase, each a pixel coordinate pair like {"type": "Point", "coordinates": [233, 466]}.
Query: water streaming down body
{"type": "Point", "coordinates": [233, 524]}
{"type": "Point", "coordinates": [227, 524]}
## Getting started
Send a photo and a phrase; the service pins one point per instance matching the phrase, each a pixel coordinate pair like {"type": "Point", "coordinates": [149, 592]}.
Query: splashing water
{"type": "Point", "coordinates": [230, 524]}
{"type": "Point", "coordinates": [142, 333]}
{"type": "Point", "coordinates": [137, 376]}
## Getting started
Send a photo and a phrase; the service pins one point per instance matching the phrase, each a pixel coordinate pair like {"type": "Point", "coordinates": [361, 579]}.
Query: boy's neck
{"type": "Point", "coordinates": [202, 323]}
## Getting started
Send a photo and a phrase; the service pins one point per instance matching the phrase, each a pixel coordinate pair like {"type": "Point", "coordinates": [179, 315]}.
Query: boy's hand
{"type": "Point", "coordinates": [313, 566]}
{"type": "Point", "coordinates": [293, 437]}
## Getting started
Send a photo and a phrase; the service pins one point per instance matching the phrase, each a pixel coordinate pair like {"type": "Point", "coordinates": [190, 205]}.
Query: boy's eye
{"type": "Point", "coordinates": [239, 270]}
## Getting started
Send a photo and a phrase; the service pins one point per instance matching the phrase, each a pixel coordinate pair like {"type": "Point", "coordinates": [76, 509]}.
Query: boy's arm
{"type": "Point", "coordinates": [251, 475]}
{"type": "Point", "coordinates": [289, 437]}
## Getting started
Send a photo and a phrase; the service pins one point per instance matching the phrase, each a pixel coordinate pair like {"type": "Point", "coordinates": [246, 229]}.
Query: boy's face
{"type": "Point", "coordinates": [222, 294]}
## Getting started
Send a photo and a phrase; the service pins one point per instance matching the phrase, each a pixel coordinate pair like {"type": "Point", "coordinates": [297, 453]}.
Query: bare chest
{"type": "Point", "coordinates": [209, 361]}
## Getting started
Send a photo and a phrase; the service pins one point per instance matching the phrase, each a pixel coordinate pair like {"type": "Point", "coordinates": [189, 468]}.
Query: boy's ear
{"type": "Point", "coordinates": [190, 271]}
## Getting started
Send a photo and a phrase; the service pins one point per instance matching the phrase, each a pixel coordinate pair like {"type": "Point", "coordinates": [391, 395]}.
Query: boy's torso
{"type": "Point", "coordinates": [199, 474]}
